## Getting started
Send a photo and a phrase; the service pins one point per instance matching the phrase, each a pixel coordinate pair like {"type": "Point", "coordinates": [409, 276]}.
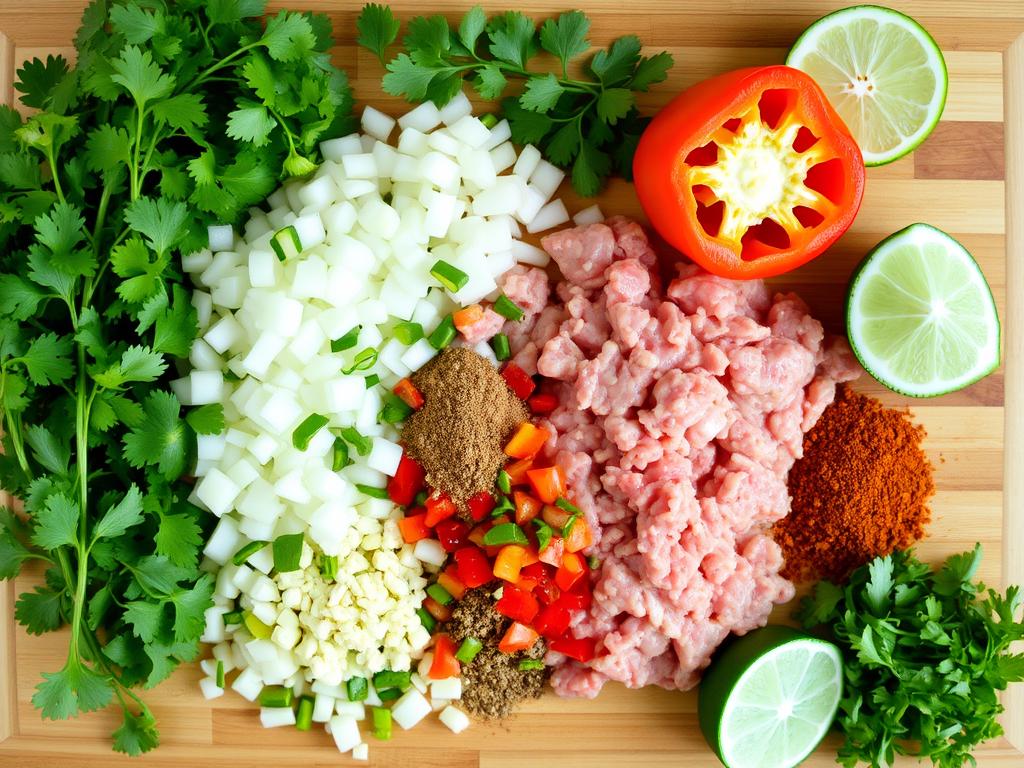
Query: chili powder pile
{"type": "Point", "coordinates": [861, 490]}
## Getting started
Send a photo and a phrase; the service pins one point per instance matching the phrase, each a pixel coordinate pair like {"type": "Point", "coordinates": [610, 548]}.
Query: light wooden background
{"type": "Point", "coordinates": [961, 180]}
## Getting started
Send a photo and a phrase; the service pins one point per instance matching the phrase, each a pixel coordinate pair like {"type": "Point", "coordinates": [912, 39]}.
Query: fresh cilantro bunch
{"type": "Point", "coordinates": [591, 125]}
{"type": "Point", "coordinates": [176, 116]}
{"type": "Point", "coordinates": [925, 654]}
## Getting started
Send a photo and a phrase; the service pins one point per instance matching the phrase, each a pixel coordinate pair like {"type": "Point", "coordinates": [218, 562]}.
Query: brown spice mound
{"type": "Point", "coordinates": [459, 434]}
{"type": "Point", "coordinates": [492, 684]}
{"type": "Point", "coordinates": [861, 490]}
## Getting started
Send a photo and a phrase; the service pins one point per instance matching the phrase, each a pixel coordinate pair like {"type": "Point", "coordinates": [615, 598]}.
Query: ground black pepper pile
{"type": "Point", "coordinates": [492, 684]}
{"type": "Point", "coordinates": [459, 434]}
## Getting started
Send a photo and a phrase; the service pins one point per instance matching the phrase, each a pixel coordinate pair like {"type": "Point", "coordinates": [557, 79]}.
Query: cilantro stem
{"type": "Point", "coordinates": [52, 161]}
{"type": "Point", "coordinates": [202, 76]}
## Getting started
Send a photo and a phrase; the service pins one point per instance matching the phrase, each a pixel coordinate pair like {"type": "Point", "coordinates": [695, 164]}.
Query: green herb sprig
{"type": "Point", "coordinates": [177, 115]}
{"type": "Point", "coordinates": [924, 655]}
{"type": "Point", "coordinates": [591, 125]}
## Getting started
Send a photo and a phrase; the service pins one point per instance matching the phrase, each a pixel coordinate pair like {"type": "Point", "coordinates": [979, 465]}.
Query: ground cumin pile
{"type": "Point", "coordinates": [492, 684]}
{"type": "Point", "coordinates": [861, 490]}
{"type": "Point", "coordinates": [459, 434]}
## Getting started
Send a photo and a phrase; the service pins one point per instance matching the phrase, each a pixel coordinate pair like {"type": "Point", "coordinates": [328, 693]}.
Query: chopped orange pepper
{"type": "Point", "coordinates": [438, 611]}
{"type": "Point", "coordinates": [579, 536]}
{"type": "Point", "coordinates": [413, 528]}
{"type": "Point", "coordinates": [527, 441]}
{"type": "Point", "coordinates": [552, 554]}
{"type": "Point", "coordinates": [519, 637]}
{"type": "Point", "coordinates": [409, 394]}
{"type": "Point", "coordinates": [465, 318]}
{"type": "Point", "coordinates": [444, 664]}
{"type": "Point", "coordinates": [449, 579]}
{"type": "Point", "coordinates": [517, 471]}
{"type": "Point", "coordinates": [527, 507]}
{"type": "Point", "coordinates": [569, 572]}
{"type": "Point", "coordinates": [509, 562]}
{"type": "Point", "coordinates": [548, 483]}
{"type": "Point", "coordinates": [554, 516]}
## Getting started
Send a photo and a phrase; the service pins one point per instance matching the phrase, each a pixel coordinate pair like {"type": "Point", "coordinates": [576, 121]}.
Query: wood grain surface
{"type": "Point", "coordinates": [967, 178]}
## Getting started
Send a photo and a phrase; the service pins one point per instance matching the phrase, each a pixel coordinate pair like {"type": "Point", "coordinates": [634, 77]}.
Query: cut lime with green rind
{"type": "Point", "coordinates": [770, 697]}
{"type": "Point", "coordinates": [883, 73]}
{"type": "Point", "coordinates": [920, 316]}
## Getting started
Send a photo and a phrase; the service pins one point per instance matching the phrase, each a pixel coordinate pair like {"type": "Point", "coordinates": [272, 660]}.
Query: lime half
{"type": "Point", "coordinates": [770, 697]}
{"type": "Point", "coordinates": [920, 316]}
{"type": "Point", "coordinates": [882, 72]}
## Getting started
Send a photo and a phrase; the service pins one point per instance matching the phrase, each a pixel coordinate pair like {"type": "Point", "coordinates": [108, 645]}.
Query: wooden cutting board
{"type": "Point", "coordinates": [962, 180]}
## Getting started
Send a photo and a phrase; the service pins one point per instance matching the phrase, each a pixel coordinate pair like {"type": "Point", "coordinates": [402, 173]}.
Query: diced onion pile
{"type": "Point", "coordinates": [315, 289]}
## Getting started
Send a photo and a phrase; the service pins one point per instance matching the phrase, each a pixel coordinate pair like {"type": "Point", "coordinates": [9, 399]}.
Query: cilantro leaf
{"type": "Point", "coordinates": [137, 734]}
{"type": "Point", "coordinates": [378, 29]}
{"type": "Point", "coordinates": [880, 584]}
{"type": "Point", "coordinates": [957, 572]}
{"type": "Point", "coordinates": [179, 539]}
{"type": "Point", "coordinates": [108, 149]}
{"type": "Point", "coordinates": [614, 65]}
{"type": "Point", "coordinates": [37, 80]}
{"type": "Point", "coordinates": [566, 37]}
{"type": "Point", "coordinates": [490, 82]}
{"type": "Point", "coordinates": [471, 27]}
{"type": "Point", "coordinates": [614, 104]}
{"type": "Point", "coordinates": [288, 36]}
{"type": "Point", "coordinates": [161, 438]}
{"type": "Point", "coordinates": [160, 221]}
{"type": "Point", "coordinates": [541, 93]}
{"type": "Point", "coordinates": [58, 527]}
{"type": "Point", "coordinates": [74, 689]}
{"type": "Point", "coordinates": [651, 70]}
{"type": "Point", "coordinates": [513, 38]}
{"type": "Point", "coordinates": [147, 619]}
{"type": "Point", "coordinates": [136, 364]}
{"type": "Point", "coordinates": [19, 171]}
{"type": "Point", "coordinates": [51, 453]}
{"type": "Point", "coordinates": [528, 127]}
{"type": "Point", "coordinates": [407, 78]}
{"type": "Point", "coordinates": [60, 230]}
{"type": "Point", "coordinates": [189, 609]}
{"type": "Point", "coordinates": [564, 144]}
{"type": "Point", "coordinates": [126, 514]}
{"type": "Point", "coordinates": [182, 112]}
{"type": "Point", "coordinates": [139, 75]}
{"type": "Point", "coordinates": [18, 297]}
{"type": "Point", "coordinates": [46, 359]}
{"type": "Point", "coordinates": [39, 611]}
{"type": "Point", "coordinates": [176, 327]}
{"type": "Point", "coordinates": [137, 24]}
{"type": "Point", "coordinates": [12, 551]}
{"type": "Point", "coordinates": [252, 123]}
{"type": "Point", "coordinates": [206, 419]}
{"type": "Point", "coordinates": [590, 167]}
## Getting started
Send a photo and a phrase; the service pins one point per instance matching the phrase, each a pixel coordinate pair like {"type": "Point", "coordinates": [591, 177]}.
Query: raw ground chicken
{"type": "Point", "coordinates": [682, 412]}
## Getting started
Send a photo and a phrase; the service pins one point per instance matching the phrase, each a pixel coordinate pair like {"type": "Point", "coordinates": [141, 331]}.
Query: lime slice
{"type": "Point", "coordinates": [882, 72]}
{"type": "Point", "coordinates": [769, 698]}
{"type": "Point", "coordinates": [920, 316]}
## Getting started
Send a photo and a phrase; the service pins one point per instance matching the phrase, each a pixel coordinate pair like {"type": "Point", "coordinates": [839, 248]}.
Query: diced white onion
{"type": "Point", "coordinates": [456, 720]}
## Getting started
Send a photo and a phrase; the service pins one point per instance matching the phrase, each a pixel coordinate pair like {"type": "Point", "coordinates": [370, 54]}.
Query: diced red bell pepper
{"type": "Point", "coordinates": [542, 403]}
{"type": "Point", "coordinates": [444, 664]}
{"type": "Point", "coordinates": [452, 533]}
{"type": "Point", "coordinates": [570, 571]}
{"type": "Point", "coordinates": [409, 394]}
{"type": "Point", "coordinates": [474, 570]}
{"type": "Point", "coordinates": [509, 562]}
{"type": "Point", "coordinates": [582, 649]}
{"type": "Point", "coordinates": [517, 471]}
{"type": "Point", "coordinates": [552, 621]}
{"type": "Point", "coordinates": [480, 505]}
{"type": "Point", "coordinates": [449, 579]}
{"type": "Point", "coordinates": [476, 536]}
{"type": "Point", "coordinates": [556, 517]}
{"type": "Point", "coordinates": [439, 507]}
{"type": "Point", "coordinates": [527, 507]}
{"type": "Point", "coordinates": [413, 528]}
{"type": "Point", "coordinates": [517, 604]}
{"type": "Point", "coordinates": [545, 590]}
{"type": "Point", "coordinates": [553, 553]}
{"type": "Point", "coordinates": [518, 380]}
{"type": "Point", "coordinates": [579, 536]}
{"type": "Point", "coordinates": [407, 482]}
{"type": "Point", "coordinates": [519, 637]}
{"type": "Point", "coordinates": [548, 483]}
{"type": "Point", "coordinates": [527, 441]}
{"type": "Point", "coordinates": [576, 601]}
{"type": "Point", "coordinates": [438, 611]}
{"type": "Point", "coordinates": [525, 584]}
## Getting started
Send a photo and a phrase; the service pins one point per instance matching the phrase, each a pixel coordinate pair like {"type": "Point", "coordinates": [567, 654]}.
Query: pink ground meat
{"type": "Point", "coordinates": [681, 412]}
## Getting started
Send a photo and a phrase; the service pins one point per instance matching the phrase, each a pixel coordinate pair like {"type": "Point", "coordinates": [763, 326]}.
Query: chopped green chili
{"type": "Point", "coordinates": [567, 505]}
{"type": "Point", "coordinates": [421, 499]}
{"type": "Point", "coordinates": [468, 650]}
{"type": "Point", "coordinates": [372, 491]}
{"type": "Point", "coordinates": [234, 617]}
{"type": "Point", "coordinates": [381, 723]}
{"type": "Point", "coordinates": [248, 551]}
{"type": "Point", "coordinates": [527, 665]}
{"type": "Point", "coordinates": [339, 456]}
{"type": "Point", "coordinates": [504, 506]}
{"type": "Point", "coordinates": [389, 694]}
{"type": "Point", "coordinates": [505, 533]}
{"type": "Point", "coordinates": [408, 332]}
{"type": "Point", "coordinates": [544, 534]}
{"type": "Point", "coordinates": [489, 120]}
{"type": "Point", "coordinates": [508, 309]}
{"type": "Point", "coordinates": [594, 562]}
{"type": "Point", "coordinates": [569, 525]}
{"type": "Point", "coordinates": [276, 696]}
{"type": "Point", "coordinates": [220, 674]}
{"type": "Point", "coordinates": [329, 567]}
{"type": "Point", "coordinates": [347, 341]}
{"type": "Point", "coordinates": [307, 429]}
{"type": "Point", "coordinates": [304, 717]}
{"type": "Point", "coordinates": [448, 275]}
{"type": "Point", "coordinates": [500, 346]}
{"type": "Point", "coordinates": [444, 334]}
{"type": "Point", "coordinates": [395, 410]}
{"type": "Point", "coordinates": [363, 445]}
{"type": "Point", "coordinates": [257, 628]}
{"type": "Point", "coordinates": [372, 380]}
{"type": "Point", "coordinates": [358, 688]}
{"type": "Point", "coordinates": [363, 361]}
{"type": "Point", "coordinates": [389, 679]}
{"type": "Point", "coordinates": [288, 552]}
{"type": "Point", "coordinates": [504, 482]}
{"type": "Point", "coordinates": [440, 594]}
{"type": "Point", "coordinates": [428, 621]}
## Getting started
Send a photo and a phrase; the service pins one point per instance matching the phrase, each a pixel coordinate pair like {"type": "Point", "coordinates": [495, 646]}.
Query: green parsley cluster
{"type": "Point", "coordinates": [924, 656]}
{"type": "Point", "coordinates": [591, 125]}
{"type": "Point", "coordinates": [178, 115]}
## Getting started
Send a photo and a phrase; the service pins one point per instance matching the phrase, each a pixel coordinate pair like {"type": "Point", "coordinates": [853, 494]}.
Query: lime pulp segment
{"type": "Point", "coordinates": [782, 706]}
{"type": "Point", "coordinates": [921, 317]}
{"type": "Point", "coordinates": [883, 73]}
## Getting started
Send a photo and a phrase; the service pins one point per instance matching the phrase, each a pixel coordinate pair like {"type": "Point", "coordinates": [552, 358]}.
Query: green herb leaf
{"type": "Point", "coordinates": [160, 439]}
{"type": "Point", "coordinates": [179, 539]}
{"type": "Point", "coordinates": [615, 65]}
{"type": "Point", "coordinates": [378, 29]}
{"type": "Point", "coordinates": [541, 93]}
{"type": "Point", "coordinates": [37, 80]}
{"type": "Point", "coordinates": [74, 689]}
{"type": "Point", "coordinates": [46, 359]}
{"type": "Point", "coordinates": [59, 526]}
{"type": "Point", "coordinates": [513, 38]}
{"type": "Point", "coordinates": [289, 36]}
{"type": "Point", "coordinates": [140, 76]}
{"type": "Point", "coordinates": [566, 37]}
{"type": "Point", "coordinates": [651, 71]}
{"type": "Point", "coordinates": [251, 122]}
{"type": "Point", "coordinates": [614, 104]}
{"type": "Point", "coordinates": [471, 27]}
{"type": "Point", "coordinates": [206, 419]}
{"type": "Point", "coordinates": [126, 514]}
{"type": "Point", "coordinates": [137, 734]}
{"type": "Point", "coordinates": [39, 611]}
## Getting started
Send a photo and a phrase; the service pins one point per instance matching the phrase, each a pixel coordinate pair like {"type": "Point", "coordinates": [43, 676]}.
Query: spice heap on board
{"type": "Point", "coordinates": [459, 434]}
{"type": "Point", "coordinates": [861, 490]}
